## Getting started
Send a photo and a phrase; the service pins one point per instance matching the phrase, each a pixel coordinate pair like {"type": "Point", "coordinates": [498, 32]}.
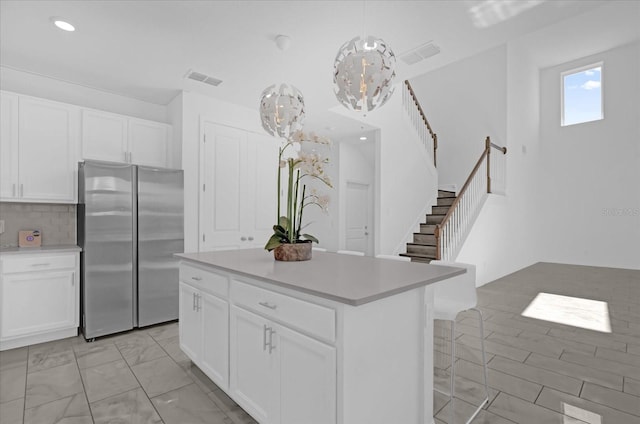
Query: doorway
{"type": "Point", "coordinates": [359, 235]}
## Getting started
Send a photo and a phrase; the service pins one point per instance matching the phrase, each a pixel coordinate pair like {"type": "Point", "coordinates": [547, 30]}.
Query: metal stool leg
{"type": "Point", "coordinates": [452, 391]}
{"type": "Point", "coordinates": [484, 367]}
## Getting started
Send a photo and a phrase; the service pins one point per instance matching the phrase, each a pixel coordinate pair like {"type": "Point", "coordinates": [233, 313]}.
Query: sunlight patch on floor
{"type": "Point", "coordinates": [568, 310]}
{"type": "Point", "coordinates": [573, 413]}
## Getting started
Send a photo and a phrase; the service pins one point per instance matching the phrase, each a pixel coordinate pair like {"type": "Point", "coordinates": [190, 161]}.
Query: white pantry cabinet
{"type": "Point", "coordinates": [39, 155]}
{"type": "Point", "coordinates": [39, 298]}
{"type": "Point", "coordinates": [118, 138]}
{"type": "Point", "coordinates": [238, 171]}
{"type": "Point", "coordinates": [204, 322]}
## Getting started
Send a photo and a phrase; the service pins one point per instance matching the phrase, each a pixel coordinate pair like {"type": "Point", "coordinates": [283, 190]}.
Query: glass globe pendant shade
{"type": "Point", "coordinates": [282, 110]}
{"type": "Point", "coordinates": [363, 73]}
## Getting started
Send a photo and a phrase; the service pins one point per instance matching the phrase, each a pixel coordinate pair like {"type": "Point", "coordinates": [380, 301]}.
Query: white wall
{"type": "Point", "coordinates": [590, 199]}
{"type": "Point", "coordinates": [406, 181]}
{"type": "Point", "coordinates": [67, 92]}
{"type": "Point", "coordinates": [465, 102]}
{"type": "Point", "coordinates": [555, 198]}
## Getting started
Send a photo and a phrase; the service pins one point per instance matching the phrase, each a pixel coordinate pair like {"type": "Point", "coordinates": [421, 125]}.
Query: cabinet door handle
{"type": "Point", "coordinates": [194, 301]}
{"type": "Point", "coordinates": [197, 278]}
{"type": "Point", "coordinates": [243, 238]}
{"type": "Point", "coordinates": [264, 337]}
{"type": "Point", "coordinates": [268, 305]}
{"type": "Point", "coordinates": [73, 280]}
{"type": "Point", "coordinates": [198, 299]}
{"type": "Point", "coordinates": [271, 345]}
{"type": "Point", "coordinates": [250, 238]}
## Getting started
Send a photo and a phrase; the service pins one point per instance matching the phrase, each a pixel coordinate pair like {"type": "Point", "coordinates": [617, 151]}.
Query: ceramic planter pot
{"type": "Point", "coordinates": [293, 252]}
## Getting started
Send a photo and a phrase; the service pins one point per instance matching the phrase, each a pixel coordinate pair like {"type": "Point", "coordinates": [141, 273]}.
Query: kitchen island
{"type": "Point", "coordinates": [338, 339]}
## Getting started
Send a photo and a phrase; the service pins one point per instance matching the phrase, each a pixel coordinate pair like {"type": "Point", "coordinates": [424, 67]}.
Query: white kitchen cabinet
{"type": "Point", "coordinates": [280, 375]}
{"type": "Point", "coordinates": [8, 145]}
{"type": "Point", "coordinates": [104, 136]}
{"type": "Point", "coordinates": [238, 170]}
{"type": "Point", "coordinates": [39, 295]}
{"type": "Point", "coordinates": [204, 322]}
{"type": "Point", "coordinates": [118, 138]}
{"type": "Point", "coordinates": [41, 148]}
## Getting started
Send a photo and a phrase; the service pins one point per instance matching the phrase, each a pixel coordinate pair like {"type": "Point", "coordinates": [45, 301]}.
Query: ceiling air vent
{"type": "Point", "coordinates": [197, 76]}
{"type": "Point", "coordinates": [420, 53]}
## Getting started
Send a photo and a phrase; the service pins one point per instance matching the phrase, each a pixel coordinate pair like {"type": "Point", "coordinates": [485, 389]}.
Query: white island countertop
{"type": "Point", "coordinates": [353, 280]}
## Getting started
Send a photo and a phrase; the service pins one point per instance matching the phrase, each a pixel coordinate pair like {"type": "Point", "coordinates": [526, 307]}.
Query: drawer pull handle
{"type": "Point", "coordinates": [268, 305]}
{"type": "Point", "coordinates": [197, 278]}
{"type": "Point", "coordinates": [42, 264]}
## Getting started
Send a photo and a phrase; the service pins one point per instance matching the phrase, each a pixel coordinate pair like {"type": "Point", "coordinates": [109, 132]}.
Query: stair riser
{"type": "Point", "coordinates": [424, 239]}
{"type": "Point", "coordinates": [440, 210]}
{"type": "Point", "coordinates": [427, 229]}
{"type": "Point", "coordinates": [434, 219]}
{"type": "Point", "coordinates": [421, 260]}
{"type": "Point", "coordinates": [446, 193]}
{"type": "Point", "coordinates": [446, 201]}
{"type": "Point", "coordinates": [422, 250]}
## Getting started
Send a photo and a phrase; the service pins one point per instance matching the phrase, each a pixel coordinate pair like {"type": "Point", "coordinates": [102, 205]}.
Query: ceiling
{"type": "Point", "coordinates": [143, 49]}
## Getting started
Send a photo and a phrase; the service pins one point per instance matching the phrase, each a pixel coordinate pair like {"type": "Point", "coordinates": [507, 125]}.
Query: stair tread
{"type": "Point", "coordinates": [418, 255]}
{"type": "Point", "coordinates": [421, 244]}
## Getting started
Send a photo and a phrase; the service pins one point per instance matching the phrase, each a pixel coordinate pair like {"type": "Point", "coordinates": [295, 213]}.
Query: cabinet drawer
{"type": "Point", "coordinates": [315, 319]}
{"type": "Point", "coordinates": [206, 280]}
{"type": "Point", "coordinates": [37, 263]}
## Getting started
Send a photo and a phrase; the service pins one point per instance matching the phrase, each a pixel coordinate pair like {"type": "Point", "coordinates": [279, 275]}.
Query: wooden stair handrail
{"type": "Point", "coordinates": [486, 152]}
{"type": "Point", "coordinates": [434, 136]}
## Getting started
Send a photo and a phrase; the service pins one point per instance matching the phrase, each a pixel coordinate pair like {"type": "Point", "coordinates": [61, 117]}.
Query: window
{"type": "Point", "coordinates": [582, 95]}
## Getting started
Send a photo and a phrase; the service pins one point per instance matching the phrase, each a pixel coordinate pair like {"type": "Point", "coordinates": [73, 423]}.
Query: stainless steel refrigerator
{"type": "Point", "coordinates": [130, 223]}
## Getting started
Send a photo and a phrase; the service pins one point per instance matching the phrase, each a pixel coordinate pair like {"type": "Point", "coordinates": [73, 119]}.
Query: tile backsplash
{"type": "Point", "coordinates": [56, 222]}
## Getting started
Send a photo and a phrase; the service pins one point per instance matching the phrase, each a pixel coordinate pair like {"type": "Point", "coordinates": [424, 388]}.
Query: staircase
{"type": "Point", "coordinates": [423, 248]}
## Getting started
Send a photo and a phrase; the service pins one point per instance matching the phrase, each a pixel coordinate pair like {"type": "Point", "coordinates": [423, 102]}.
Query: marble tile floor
{"type": "Point", "coordinates": [139, 377]}
{"type": "Point", "coordinates": [539, 371]}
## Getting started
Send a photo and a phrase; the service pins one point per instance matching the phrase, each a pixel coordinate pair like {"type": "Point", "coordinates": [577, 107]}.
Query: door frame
{"type": "Point", "coordinates": [370, 216]}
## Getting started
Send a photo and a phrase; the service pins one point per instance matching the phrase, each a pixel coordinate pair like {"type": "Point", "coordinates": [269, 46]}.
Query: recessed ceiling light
{"type": "Point", "coordinates": [363, 138]}
{"type": "Point", "coordinates": [62, 24]}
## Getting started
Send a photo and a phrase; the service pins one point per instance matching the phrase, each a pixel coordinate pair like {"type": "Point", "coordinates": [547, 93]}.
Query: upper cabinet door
{"type": "Point", "coordinates": [48, 134]}
{"type": "Point", "coordinates": [8, 146]}
{"type": "Point", "coordinates": [104, 136]}
{"type": "Point", "coordinates": [149, 143]}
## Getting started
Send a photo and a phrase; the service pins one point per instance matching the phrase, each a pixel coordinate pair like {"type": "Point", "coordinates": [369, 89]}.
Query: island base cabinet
{"type": "Point", "coordinates": [204, 332]}
{"type": "Point", "coordinates": [278, 375]}
{"type": "Point", "coordinates": [190, 326]}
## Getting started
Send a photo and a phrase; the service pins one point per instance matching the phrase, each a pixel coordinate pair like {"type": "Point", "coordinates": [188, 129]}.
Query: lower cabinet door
{"type": "Point", "coordinates": [307, 379]}
{"type": "Point", "coordinates": [215, 339]}
{"type": "Point", "coordinates": [190, 323]}
{"type": "Point", "coordinates": [37, 302]}
{"type": "Point", "coordinates": [253, 382]}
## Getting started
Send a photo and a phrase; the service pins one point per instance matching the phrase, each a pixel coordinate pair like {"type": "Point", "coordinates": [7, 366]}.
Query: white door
{"type": "Point", "coordinates": [8, 146]}
{"type": "Point", "coordinates": [307, 379]}
{"type": "Point", "coordinates": [48, 158]}
{"type": "Point", "coordinates": [222, 176]}
{"type": "Point", "coordinates": [37, 302]}
{"type": "Point", "coordinates": [253, 367]}
{"type": "Point", "coordinates": [190, 322]}
{"type": "Point", "coordinates": [357, 220]}
{"type": "Point", "coordinates": [149, 143]}
{"type": "Point", "coordinates": [260, 204]}
{"type": "Point", "coordinates": [104, 136]}
{"type": "Point", "coordinates": [215, 339]}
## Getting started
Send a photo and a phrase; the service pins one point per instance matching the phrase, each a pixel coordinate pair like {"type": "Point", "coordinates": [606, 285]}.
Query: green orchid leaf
{"type": "Point", "coordinates": [284, 222]}
{"type": "Point", "coordinates": [273, 242]}
{"type": "Point", "coordinates": [310, 237]}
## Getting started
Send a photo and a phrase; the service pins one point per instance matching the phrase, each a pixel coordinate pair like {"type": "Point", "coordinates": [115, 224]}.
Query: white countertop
{"type": "Point", "coordinates": [42, 249]}
{"type": "Point", "coordinates": [354, 280]}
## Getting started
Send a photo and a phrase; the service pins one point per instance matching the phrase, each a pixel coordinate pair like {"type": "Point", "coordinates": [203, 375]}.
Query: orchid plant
{"type": "Point", "coordinates": [299, 165]}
